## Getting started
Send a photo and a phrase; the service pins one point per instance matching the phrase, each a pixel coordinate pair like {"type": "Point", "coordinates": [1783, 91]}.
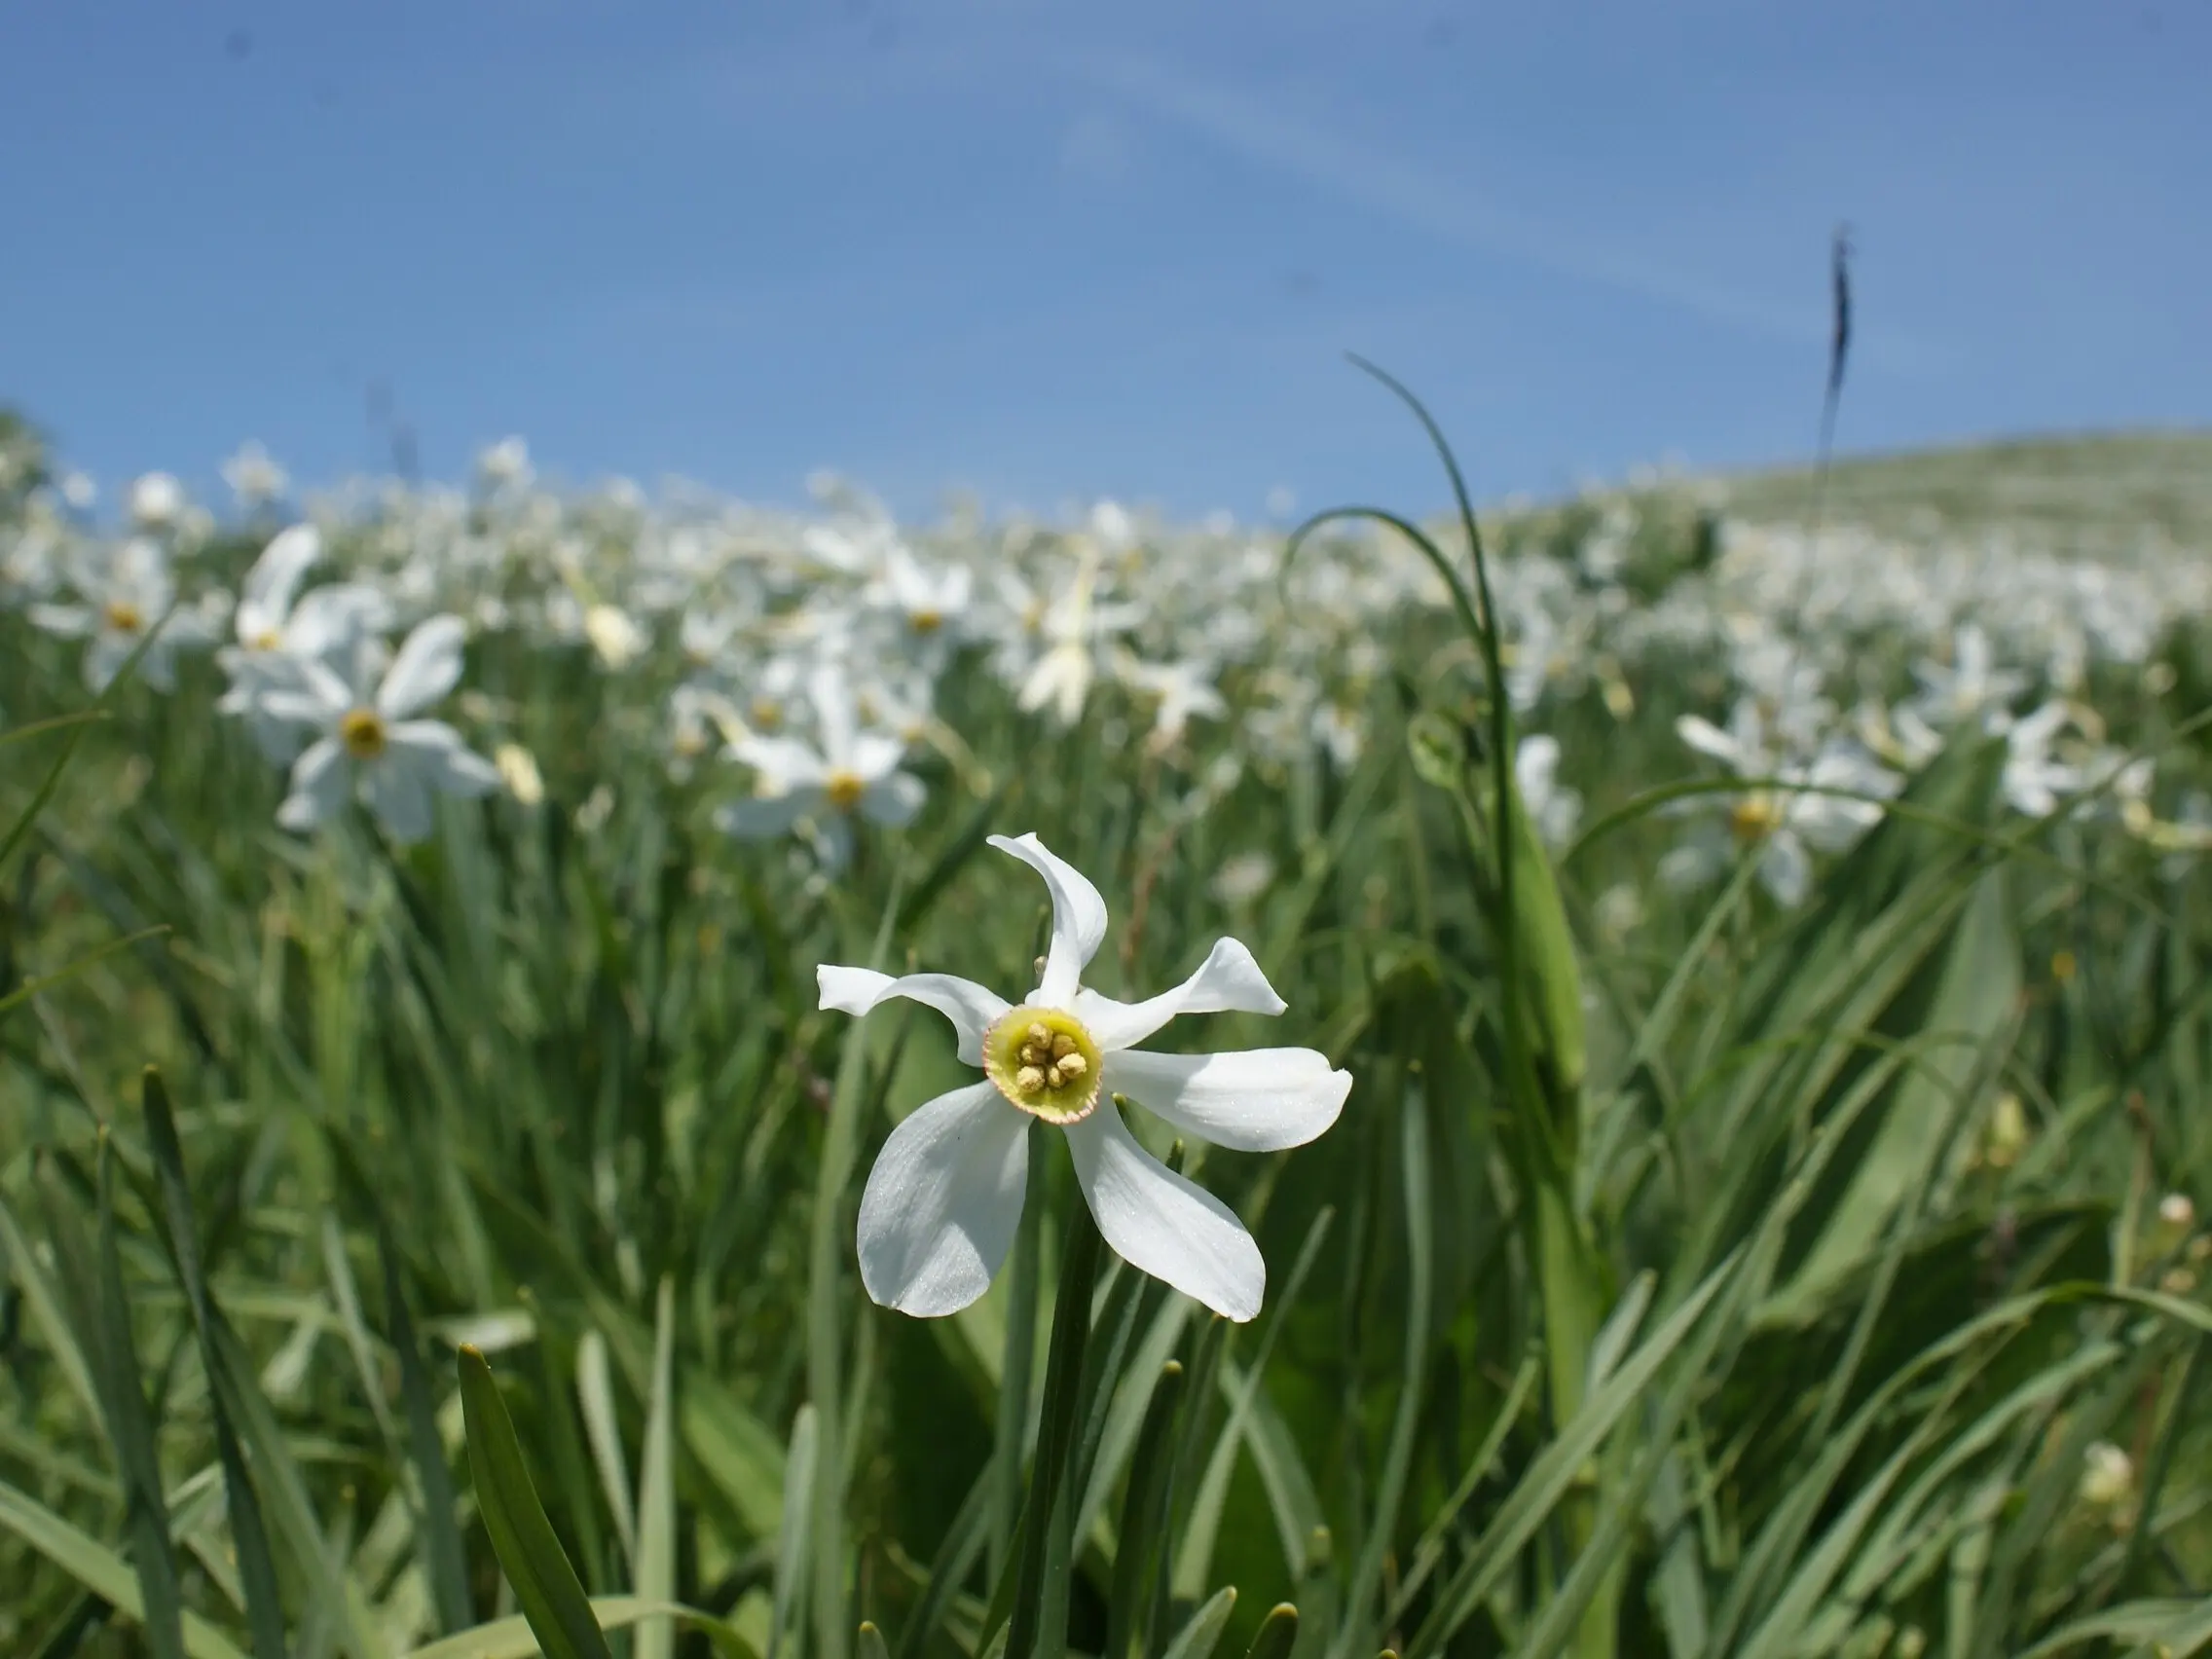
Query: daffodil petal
{"type": "Point", "coordinates": [1253, 1100]}
{"type": "Point", "coordinates": [895, 800]}
{"type": "Point", "coordinates": [1705, 738]}
{"type": "Point", "coordinates": [322, 780]}
{"type": "Point", "coordinates": [267, 594]}
{"type": "Point", "coordinates": [942, 1202]}
{"type": "Point", "coordinates": [1079, 918]}
{"type": "Point", "coordinates": [973, 1009]}
{"type": "Point", "coordinates": [1162, 1224]}
{"type": "Point", "coordinates": [426, 668]}
{"type": "Point", "coordinates": [1228, 981]}
{"type": "Point", "coordinates": [398, 788]}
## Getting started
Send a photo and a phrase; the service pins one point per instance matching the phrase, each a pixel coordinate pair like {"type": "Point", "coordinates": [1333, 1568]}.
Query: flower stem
{"type": "Point", "coordinates": [1056, 1429]}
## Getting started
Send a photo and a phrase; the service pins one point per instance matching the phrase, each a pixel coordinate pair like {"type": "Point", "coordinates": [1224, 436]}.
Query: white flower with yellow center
{"type": "Point", "coordinates": [942, 1202]}
{"type": "Point", "coordinates": [851, 771]}
{"type": "Point", "coordinates": [1780, 825]}
{"type": "Point", "coordinates": [274, 634]}
{"type": "Point", "coordinates": [124, 593]}
{"type": "Point", "coordinates": [372, 740]}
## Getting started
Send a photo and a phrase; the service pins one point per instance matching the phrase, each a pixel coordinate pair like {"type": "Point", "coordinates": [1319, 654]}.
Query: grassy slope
{"type": "Point", "coordinates": [2099, 492]}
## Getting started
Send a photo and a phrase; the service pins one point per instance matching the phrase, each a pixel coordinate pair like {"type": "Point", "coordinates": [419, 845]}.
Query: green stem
{"type": "Point", "coordinates": [1055, 1429]}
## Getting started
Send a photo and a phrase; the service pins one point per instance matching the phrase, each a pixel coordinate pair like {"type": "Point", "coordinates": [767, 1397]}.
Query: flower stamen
{"type": "Point", "coordinates": [363, 733]}
{"type": "Point", "coordinates": [1045, 1062]}
{"type": "Point", "coordinates": [1754, 818]}
{"type": "Point", "coordinates": [845, 790]}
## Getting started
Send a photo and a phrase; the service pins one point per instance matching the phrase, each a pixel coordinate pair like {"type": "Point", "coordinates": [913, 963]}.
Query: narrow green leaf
{"type": "Point", "coordinates": [448, 1561]}
{"type": "Point", "coordinates": [130, 1423]}
{"type": "Point", "coordinates": [1144, 1520]}
{"type": "Point", "coordinates": [1277, 1633]}
{"type": "Point", "coordinates": [99, 1569]}
{"type": "Point", "coordinates": [513, 1638]}
{"type": "Point", "coordinates": [1197, 1639]}
{"type": "Point", "coordinates": [595, 1398]}
{"type": "Point", "coordinates": [545, 1584]}
{"type": "Point", "coordinates": [655, 1576]}
{"type": "Point", "coordinates": [249, 1530]}
{"type": "Point", "coordinates": [1056, 1433]}
{"type": "Point", "coordinates": [794, 1539]}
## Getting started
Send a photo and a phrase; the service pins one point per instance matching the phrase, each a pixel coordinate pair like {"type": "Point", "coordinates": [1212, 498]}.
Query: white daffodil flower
{"type": "Point", "coordinates": [122, 595]}
{"type": "Point", "coordinates": [1180, 691]}
{"type": "Point", "coordinates": [941, 1203]}
{"type": "Point", "coordinates": [1553, 807]}
{"type": "Point", "coordinates": [2034, 778]}
{"type": "Point", "coordinates": [1779, 822]}
{"type": "Point", "coordinates": [1079, 630]}
{"type": "Point", "coordinates": [156, 501]}
{"type": "Point", "coordinates": [932, 604]}
{"type": "Point", "coordinates": [851, 771]}
{"type": "Point", "coordinates": [254, 478]}
{"type": "Point", "coordinates": [1969, 687]}
{"type": "Point", "coordinates": [372, 743]}
{"type": "Point", "coordinates": [274, 636]}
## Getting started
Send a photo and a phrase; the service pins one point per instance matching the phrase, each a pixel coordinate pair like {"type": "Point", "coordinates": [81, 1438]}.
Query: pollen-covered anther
{"type": "Point", "coordinates": [1045, 1062]}
{"type": "Point", "coordinates": [363, 732]}
{"type": "Point", "coordinates": [1753, 817]}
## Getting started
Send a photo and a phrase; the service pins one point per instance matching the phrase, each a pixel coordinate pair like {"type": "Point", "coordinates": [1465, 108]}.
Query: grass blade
{"type": "Point", "coordinates": [545, 1585]}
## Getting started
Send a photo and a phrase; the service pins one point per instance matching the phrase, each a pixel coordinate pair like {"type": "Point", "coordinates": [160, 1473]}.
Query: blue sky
{"type": "Point", "coordinates": [1049, 252]}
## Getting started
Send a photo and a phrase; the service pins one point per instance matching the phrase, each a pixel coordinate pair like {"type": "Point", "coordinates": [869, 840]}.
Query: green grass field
{"type": "Point", "coordinates": [1763, 1220]}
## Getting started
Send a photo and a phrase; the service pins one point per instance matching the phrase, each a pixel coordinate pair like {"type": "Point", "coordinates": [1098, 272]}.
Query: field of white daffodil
{"type": "Point", "coordinates": [615, 1072]}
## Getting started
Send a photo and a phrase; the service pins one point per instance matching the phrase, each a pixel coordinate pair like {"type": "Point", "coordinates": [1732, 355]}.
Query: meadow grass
{"type": "Point", "coordinates": [1689, 1273]}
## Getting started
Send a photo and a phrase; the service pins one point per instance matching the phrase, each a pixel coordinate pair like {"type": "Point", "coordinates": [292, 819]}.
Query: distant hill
{"type": "Point", "coordinates": [2092, 493]}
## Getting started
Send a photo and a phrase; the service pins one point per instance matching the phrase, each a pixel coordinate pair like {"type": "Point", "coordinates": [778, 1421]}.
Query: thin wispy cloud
{"type": "Point", "coordinates": [1448, 210]}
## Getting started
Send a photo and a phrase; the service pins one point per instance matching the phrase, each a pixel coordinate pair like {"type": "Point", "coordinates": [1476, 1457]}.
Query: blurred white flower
{"type": "Point", "coordinates": [373, 744]}
{"type": "Point", "coordinates": [254, 478]}
{"type": "Point", "coordinates": [932, 603]}
{"type": "Point", "coordinates": [518, 770]}
{"type": "Point", "coordinates": [1078, 630]}
{"type": "Point", "coordinates": [1179, 690]}
{"type": "Point", "coordinates": [941, 1205]}
{"type": "Point", "coordinates": [1552, 807]}
{"type": "Point", "coordinates": [122, 594]}
{"type": "Point", "coordinates": [276, 635]}
{"type": "Point", "coordinates": [614, 634]}
{"type": "Point", "coordinates": [156, 501]}
{"type": "Point", "coordinates": [2034, 778]}
{"type": "Point", "coordinates": [851, 771]}
{"type": "Point", "coordinates": [2108, 1476]}
{"type": "Point", "coordinates": [1969, 687]}
{"type": "Point", "coordinates": [1619, 910]}
{"type": "Point", "coordinates": [1777, 822]}
{"type": "Point", "coordinates": [505, 463]}
{"type": "Point", "coordinates": [1243, 878]}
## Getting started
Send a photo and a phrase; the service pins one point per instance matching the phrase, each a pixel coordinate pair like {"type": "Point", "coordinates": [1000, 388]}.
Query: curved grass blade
{"type": "Point", "coordinates": [545, 1585]}
{"type": "Point", "coordinates": [1277, 1633]}
{"type": "Point", "coordinates": [99, 1569]}
{"type": "Point", "coordinates": [513, 1638]}
{"type": "Point", "coordinates": [1197, 1639]}
{"type": "Point", "coordinates": [91, 1283]}
{"type": "Point", "coordinates": [595, 1398]}
{"type": "Point", "coordinates": [1144, 1517]}
{"type": "Point", "coordinates": [655, 1571]}
{"type": "Point", "coordinates": [250, 1531]}
{"type": "Point", "coordinates": [448, 1561]}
